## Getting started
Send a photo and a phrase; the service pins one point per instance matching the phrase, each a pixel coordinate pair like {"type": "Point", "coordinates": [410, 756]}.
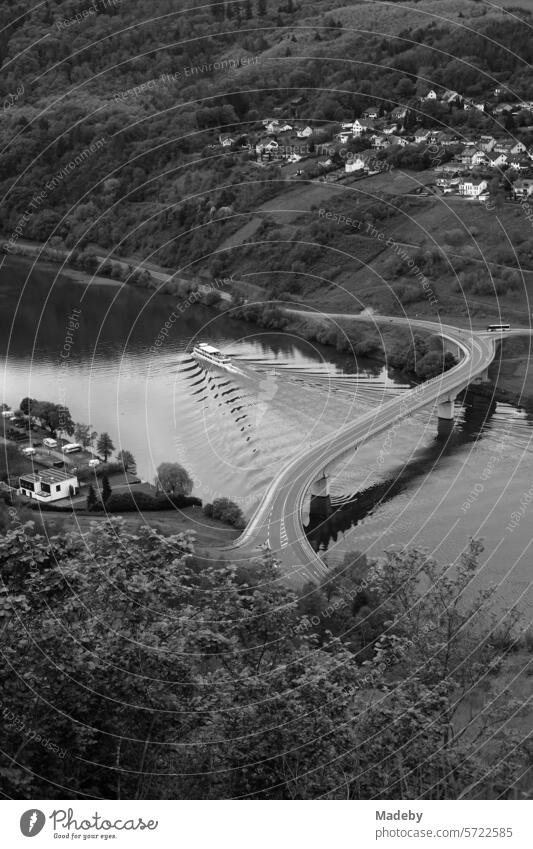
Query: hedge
{"type": "Point", "coordinates": [122, 502]}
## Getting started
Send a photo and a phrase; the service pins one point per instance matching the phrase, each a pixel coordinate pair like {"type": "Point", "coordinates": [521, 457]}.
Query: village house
{"type": "Point", "coordinates": [277, 126]}
{"type": "Point", "coordinates": [503, 109]}
{"type": "Point", "coordinates": [472, 188]}
{"type": "Point", "coordinates": [512, 148]}
{"type": "Point", "coordinates": [399, 140]}
{"type": "Point", "coordinates": [304, 132]}
{"type": "Point", "coordinates": [523, 187]}
{"type": "Point", "coordinates": [487, 143]}
{"type": "Point", "coordinates": [49, 485]}
{"type": "Point", "coordinates": [472, 158]}
{"type": "Point", "coordinates": [399, 113]}
{"type": "Point", "coordinates": [452, 98]}
{"type": "Point", "coordinates": [446, 139]}
{"type": "Point", "coordinates": [359, 161]}
{"type": "Point", "coordinates": [226, 141]}
{"type": "Point", "coordinates": [360, 126]}
{"type": "Point", "coordinates": [422, 135]}
{"type": "Point", "coordinates": [389, 129]}
{"type": "Point", "coordinates": [266, 145]}
{"type": "Point", "coordinates": [344, 136]}
{"type": "Point", "coordinates": [519, 163]}
{"type": "Point", "coordinates": [380, 142]}
{"type": "Point", "coordinates": [371, 113]}
{"type": "Point", "coordinates": [451, 167]}
{"type": "Point", "coordinates": [431, 95]}
{"type": "Point", "coordinates": [448, 184]}
{"type": "Point", "coordinates": [497, 159]}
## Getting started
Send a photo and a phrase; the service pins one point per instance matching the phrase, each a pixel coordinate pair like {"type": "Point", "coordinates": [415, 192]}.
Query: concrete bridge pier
{"type": "Point", "coordinates": [446, 408]}
{"type": "Point", "coordinates": [320, 506]}
{"type": "Point", "coordinates": [320, 487]}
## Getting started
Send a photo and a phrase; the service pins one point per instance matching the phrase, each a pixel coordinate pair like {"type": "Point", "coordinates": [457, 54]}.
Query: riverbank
{"type": "Point", "coordinates": [509, 383]}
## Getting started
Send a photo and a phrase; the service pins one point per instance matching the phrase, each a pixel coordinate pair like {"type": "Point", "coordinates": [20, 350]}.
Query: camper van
{"type": "Point", "coordinates": [71, 447]}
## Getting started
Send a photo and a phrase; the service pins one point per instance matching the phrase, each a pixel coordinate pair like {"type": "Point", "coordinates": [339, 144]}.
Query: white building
{"type": "Point", "coordinates": [487, 143]}
{"type": "Point", "coordinates": [358, 163]}
{"type": "Point", "coordinates": [472, 188]}
{"type": "Point", "coordinates": [497, 159]}
{"type": "Point", "coordinates": [305, 132]}
{"type": "Point", "coordinates": [362, 126]}
{"type": "Point", "coordinates": [49, 485]}
{"type": "Point", "coordinates": [344, 136]}
{"type": "Point", "coordinates": [523, 188]}
{"type": "Point", "coordinates": [266, 146]}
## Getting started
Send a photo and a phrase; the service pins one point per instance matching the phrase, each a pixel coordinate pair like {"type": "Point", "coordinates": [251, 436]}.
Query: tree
{"type": "Point", "coordinates": [126, 460]}
{"type": "Point", "coordinates": [156, 646]}
{"type": "Point", "coordinates": [54, 417]}
{"type": "Point", "coordinates": [173, 478]}
{"type": "Point", "coordinates": [92, 500]}
{"type": "Point", "coordinates": [84, 435]}
{"type": "Point", "coordinates": [261, 8]}
{"type": "Point", "coordinates": [226, 511]}
{"type": "Point", "coordinates": [26, 405]}
{"type": "Point", "coordinates": [106, 489]}
{"type": "Point", "coordinates": [105, 446]}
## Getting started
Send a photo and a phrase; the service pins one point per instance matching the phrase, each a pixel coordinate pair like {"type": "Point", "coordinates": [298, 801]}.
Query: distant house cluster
{"type": "Point", "coordinates": [454, 154]}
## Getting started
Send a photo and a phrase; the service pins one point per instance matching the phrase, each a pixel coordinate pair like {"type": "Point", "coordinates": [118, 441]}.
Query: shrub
{"type": "Point", "coordinates": [226, 511]}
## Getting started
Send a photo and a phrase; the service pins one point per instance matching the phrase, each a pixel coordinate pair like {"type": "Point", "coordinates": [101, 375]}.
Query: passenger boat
{"type": "Point", "coordinates": [209, 354]}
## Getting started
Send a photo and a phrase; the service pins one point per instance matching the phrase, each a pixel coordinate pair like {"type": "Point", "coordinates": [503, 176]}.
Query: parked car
{"type": "Point", "coordinates": [29, 451]}
{"type": "Point", "coordinates": [94, 463]}
{"type": "Point", "coordinates": [49, 442]}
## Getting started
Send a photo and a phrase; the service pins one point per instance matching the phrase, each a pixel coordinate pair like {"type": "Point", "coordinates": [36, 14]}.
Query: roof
{"type": "Point", "coordinates": [49, 476]}
{"type": "Point", "coordinates": [209, 349]}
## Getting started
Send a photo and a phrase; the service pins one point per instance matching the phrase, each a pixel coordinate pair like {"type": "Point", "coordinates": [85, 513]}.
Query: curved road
{"type": "Point", "coordinates": [277, 521]}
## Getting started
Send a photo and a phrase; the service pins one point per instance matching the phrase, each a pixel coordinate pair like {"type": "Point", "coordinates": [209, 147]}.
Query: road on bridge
{"type": "Point", "coordinates": [277, 522]}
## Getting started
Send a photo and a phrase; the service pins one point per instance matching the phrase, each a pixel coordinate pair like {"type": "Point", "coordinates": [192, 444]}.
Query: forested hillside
{"type": "Point", "coordinates": [154, 87]}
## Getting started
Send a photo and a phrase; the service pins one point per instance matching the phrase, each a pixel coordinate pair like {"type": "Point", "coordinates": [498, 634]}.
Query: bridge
{"type": "Point", "coordinates": [277, 522]}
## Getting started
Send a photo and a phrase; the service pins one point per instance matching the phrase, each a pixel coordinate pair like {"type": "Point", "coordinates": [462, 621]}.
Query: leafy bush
{"type": "Point", "coordinates": [226, 511]}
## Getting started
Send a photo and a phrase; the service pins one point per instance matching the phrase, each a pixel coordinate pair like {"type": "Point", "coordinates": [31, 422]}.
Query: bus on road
{"type": "Point", "coordinates": [494, 328]}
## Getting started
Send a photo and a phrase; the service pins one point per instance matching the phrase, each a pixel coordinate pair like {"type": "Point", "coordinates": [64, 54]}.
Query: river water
{"type": "Point", "coordinates": [232, 432]}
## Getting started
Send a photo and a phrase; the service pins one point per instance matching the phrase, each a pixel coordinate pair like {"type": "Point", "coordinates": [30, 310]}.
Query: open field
{"type": "Point", "coordinates": [209, 533]}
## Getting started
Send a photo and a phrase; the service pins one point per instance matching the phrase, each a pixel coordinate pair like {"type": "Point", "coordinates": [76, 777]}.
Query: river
{"type": "Point", "coordinates": [232, 432]}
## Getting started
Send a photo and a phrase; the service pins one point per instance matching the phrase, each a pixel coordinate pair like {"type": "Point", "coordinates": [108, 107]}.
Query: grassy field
{"type": "Point", "coordinates": [350, 267]}
{"type": "Point", "coordinates": [210, 534]}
